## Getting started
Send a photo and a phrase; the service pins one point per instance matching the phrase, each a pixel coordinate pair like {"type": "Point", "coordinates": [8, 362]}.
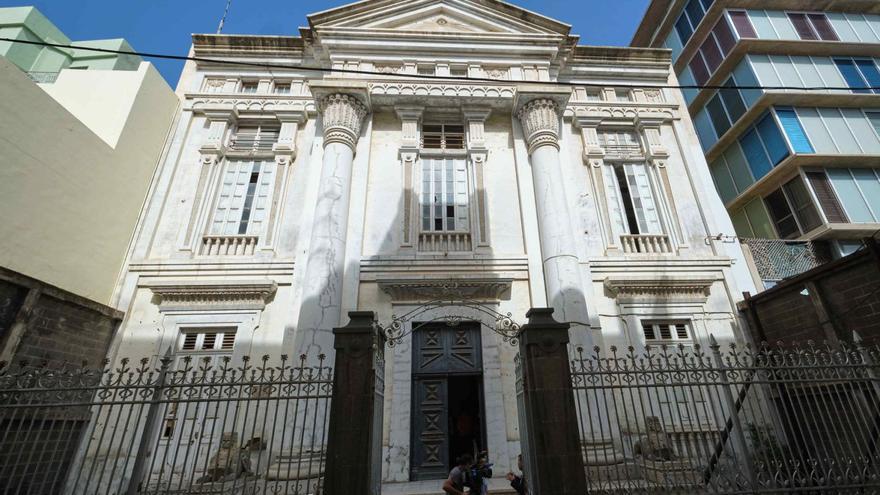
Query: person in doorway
{"type": "Point", "coordinates": [457, 480]}
{"type": "Point", "coordinates": [518, 483]}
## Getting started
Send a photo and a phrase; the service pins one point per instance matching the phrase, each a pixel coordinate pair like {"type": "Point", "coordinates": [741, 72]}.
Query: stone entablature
{"type": "Point", "coordinates": [179, 295]}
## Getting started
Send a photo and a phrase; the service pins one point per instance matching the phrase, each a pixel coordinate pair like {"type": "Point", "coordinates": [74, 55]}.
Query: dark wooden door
{"type": "Point", "coordinates": [438, 351]}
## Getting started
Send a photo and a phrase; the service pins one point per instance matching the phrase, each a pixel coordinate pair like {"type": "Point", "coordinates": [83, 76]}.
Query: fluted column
{"type": "Point", "coordinates": [562, 276]}
{"type": "Point", "coordinates": [320, 312]}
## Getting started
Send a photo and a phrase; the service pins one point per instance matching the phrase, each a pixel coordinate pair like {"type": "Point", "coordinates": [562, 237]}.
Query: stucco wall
{"type": "Point", "coordinates": [60, 179]}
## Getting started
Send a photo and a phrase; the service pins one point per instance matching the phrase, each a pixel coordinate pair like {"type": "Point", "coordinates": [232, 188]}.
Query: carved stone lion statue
{"type": "Point", "coordinates": [228, 463]}
{"type": "Point", "coordinates": [655, 446]}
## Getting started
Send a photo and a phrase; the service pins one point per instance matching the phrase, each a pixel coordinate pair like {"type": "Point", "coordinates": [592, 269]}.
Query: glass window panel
{"type": "Point", "coordinates": [874, 117]}
{"type": "Point", "coordinates": [699, 69]}
{"type": "Point", "coordinates": [723, 181]}
{"type": "Point", "coordinates": [802, 26]}
{"type": "Point", "coordinates": [695, 12]}
{"type": "Point", "coordinates": [683, 28]}
{"type": "Point", "coordinates": [759, 219]}
{"type": "Point", "coordinates": [718, 115]}
{"type": "Point", "coordinates": [802, 203]}
{"type": "Point", "coordinates": [777, 149]}
{"type": "Point", "coordinates": [796, 135]}
{"type": "Point", "coordinates": [823, 27]}
{"type": "Point", "coordinates": [742, 24]}
{"type": "Point", "coordinates": [867, 181]}
{"type": "Point", "coordinates": [862, 130]}
{"type": "Point", "coordinates": [733, 101]}
{"type": "Point", "coordinates": [741, 224]}
{"type": "Point", "coordinates": [840, 132]}
{"type": "Point", "coordinates": [738, 167]}
{"type": "Point", "coordinates": [870, 73]}
{"type": "Point", "coordinates": [852, 75]}
{"type": "Point", "coordinates": [711, 53]}
{"type": "Point", "coordinates": [856, 207]}
{"type": "Point", "coordinates": [755, 154]}
{"type": "Point", "coordinates": [724, 35]}
{"type": "Point", "coordinates": [780, 212]}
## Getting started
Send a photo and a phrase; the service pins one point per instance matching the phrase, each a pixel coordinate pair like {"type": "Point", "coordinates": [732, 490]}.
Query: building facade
{"type": "Point", "coordinates": [82, 134]}
{"type": "Point", "coordinates": [790, 159]}
{"type": "Point", "coordinates": [396, 154]}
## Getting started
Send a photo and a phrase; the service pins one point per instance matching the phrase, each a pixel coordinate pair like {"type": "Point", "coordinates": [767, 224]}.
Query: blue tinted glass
{"type": "Point", "coordinates": [695, 12]}
{"type": "Point", "coordinates": [773, 140]}
{"type": "Point", "coordinates": [852, 75]}
{"type": "Point", "coordinates": [707, 4]}
{"type": "Point", "coordinates": [872, 75]}
{"type": "Point", "coordinates": [755, 154]}
{"type": "Point", "coordinates": [794, 130]}
{"type": "Point", "coordinates": [683, 28]}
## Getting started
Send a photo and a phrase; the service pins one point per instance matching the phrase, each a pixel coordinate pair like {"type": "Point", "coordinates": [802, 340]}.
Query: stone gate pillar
{"type": "Point", "coordinates": [343, 115]}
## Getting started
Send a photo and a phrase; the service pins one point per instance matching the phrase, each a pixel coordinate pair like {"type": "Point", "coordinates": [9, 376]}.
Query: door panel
{"type": "Point", "coordinates": [431, 427]}
{"type": "Point", "coordinates": [440, 349]}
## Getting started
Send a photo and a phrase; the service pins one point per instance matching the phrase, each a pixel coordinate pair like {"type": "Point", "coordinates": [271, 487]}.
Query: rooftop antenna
{"type": "Point", "coordinates": [223, 19]}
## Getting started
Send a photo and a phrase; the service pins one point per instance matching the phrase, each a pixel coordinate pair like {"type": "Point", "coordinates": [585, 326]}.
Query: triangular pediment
{"type": "Point", "coordinates": [438, 17]}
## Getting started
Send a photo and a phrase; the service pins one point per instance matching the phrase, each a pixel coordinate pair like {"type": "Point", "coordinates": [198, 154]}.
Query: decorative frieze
{"type": "Point", "coordinates": [201, 295]}
{"type": "Point", "coordinates": [343, 116]}
{"type": "Point", "coordinates": [540, 122]}
{"type": "Point", "coordinates": [442, 90]}
{"type": "Point", "coordinates": [427, 290]}
{"type": "Point", "coordinates": [256, 104]}
{"type": "Point", "coordinates": [670, 288]}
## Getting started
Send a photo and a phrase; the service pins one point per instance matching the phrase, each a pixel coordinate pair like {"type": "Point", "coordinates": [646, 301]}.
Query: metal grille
{"type": "Point", "coordinates": [772, 419]}
{"type": "Point", "coordinates": [43, 77]}
{"type": "Point", "coordinates": [776, 259]}
{"type": "Point", "coordinates": [201, 424]}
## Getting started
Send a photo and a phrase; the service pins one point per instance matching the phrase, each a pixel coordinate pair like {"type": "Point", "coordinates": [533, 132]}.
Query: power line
{"type": "Point", "coordinates": [265, 65]}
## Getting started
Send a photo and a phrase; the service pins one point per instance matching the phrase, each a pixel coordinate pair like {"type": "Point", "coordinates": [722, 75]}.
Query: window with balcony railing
{"type": "Point", "coordinates": [255, 137]}
{"type": "Point", "coordinates": [445, 205]}
{"type": "Point", "coordinates": [633, 209]}
{"type": "Point", "coordinates": [241, 210]}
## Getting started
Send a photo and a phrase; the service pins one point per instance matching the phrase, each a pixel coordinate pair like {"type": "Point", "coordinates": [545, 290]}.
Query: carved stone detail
{"type": "Point", "coordinates": [422, 290]}
{"type": "Point", "coordinates": [343, 117]}
{"type": "Point", "coordinates": [668, 288]}
{"type": "Point", "coordinates": [181, 295]}
{"type": "Point", "coordinates": [540, 122]}
{"type": "Point", "coordinates": [442, 90]}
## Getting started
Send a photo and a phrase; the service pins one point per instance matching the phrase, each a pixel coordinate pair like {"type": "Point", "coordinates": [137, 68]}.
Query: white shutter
{"type": "Point", "coordinates": [462, 193]}
{"type": "Point", "coordinates": [262, 199]}
{"type": "Point", "coordinates": [230, 199]}
{"type": "Point", "coordinates": [643, 198]}
{"type": "Point", "coordinates": [425, 202]}
{"type": "Point", "coordinates": [615, 204]}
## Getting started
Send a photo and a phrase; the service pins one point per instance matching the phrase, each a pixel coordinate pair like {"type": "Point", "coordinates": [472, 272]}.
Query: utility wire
{"type": "Point", "coordinates": [266, 65]}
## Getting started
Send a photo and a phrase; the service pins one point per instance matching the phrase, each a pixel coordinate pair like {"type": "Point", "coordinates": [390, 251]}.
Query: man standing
{"type": "Point", "coordinates": [455, 483]}
{"type": "Point", "coordinates": [518, 483]}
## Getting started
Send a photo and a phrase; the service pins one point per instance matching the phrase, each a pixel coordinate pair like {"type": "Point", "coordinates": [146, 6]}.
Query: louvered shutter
{"type": "Point", "coordinates": [742, 24]}
{"type": "Point", "coordinates": [461, 196]}
{"type": "Point", "coordinates": [643, 198]}
{"type": "Point", "coordinates": [827, 198]}
{"type": "Point", "coordinates": [230, 200]}
{"type": "Point", "coordinates": [262, 198]}
{"type": "Point", "coordinates": [615, 204]}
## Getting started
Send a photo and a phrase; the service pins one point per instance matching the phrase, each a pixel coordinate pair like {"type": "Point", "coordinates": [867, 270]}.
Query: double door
{"type": "Point", "coordinates": [448, 413]}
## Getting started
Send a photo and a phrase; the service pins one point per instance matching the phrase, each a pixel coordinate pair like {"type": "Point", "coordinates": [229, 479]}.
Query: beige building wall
{"type": "Point", "coordinates": [76, 160]}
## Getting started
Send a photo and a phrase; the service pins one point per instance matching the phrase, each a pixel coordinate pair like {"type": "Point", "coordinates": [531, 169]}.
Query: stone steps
{"type": "Point", "coordinates": [497, 486]}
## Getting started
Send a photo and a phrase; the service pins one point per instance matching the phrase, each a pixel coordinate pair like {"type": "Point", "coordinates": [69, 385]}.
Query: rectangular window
{"type": "Point", "coordinates": [743, 25]}
{"type": "Point", "coordinates": [780, 212]}
{"type": "Point", "coordinates": [756, 155]}
{"type": "Point", "coordinates": [732, 101]}
{"type": "Point", "coordinates": [620, 142]}
{"type": "Point", "coordinates": [724, 36]}
{"type": "Point", "coordinates": [719, 117]}
{"type": "Point", "coordinates": [281, 89]}
{"type": "Point", "coordinates": [623, 95]}
{"type": "Point", "coordinates": [445, 195]}
{"type": "Point", "coordinates": [666, 331]}
{"type": "Point", "coordinates": [683, 28]}
{"type": "Point", "coordinates": [207, 339]}
{"type": "Point", "coordinates": [711, 53]}
{"type": "Point", "coordinates": [777, 149]}
{"type": "Point", "coordinates": [828, 201]}
{"type": "Point", "coordinates": [443, 136]}
{"type": "Point", "coordinates": [860, 74]}
{"type": "Point", "coordinates": [695, 12]}
{"type": "Point", "coordinates": [699, 69]}
{"type": "Point", "coordinates": [255, 137]}
{"type": "Point", "coordinates": [426, 70]}
{"type": "Point", "coordinates": [812, 26]}
{"type": "Point", "coordinates": [802, 205]}
{"type": "Point", "coordinates": [874, 117]}
{"type": "Point", "coordinates": [243, 199]}
{"type": "Point", "coordinates": [793, 129]}
{"type": "Point", "coordinates": [636, 212]}
{"type": "Point", "coordinates": [458, 71]}
{"type": "Point", "coordinates": [249, 86]}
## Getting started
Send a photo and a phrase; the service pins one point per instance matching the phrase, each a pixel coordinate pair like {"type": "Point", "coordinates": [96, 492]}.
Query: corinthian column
{"type": "Point", "coordinates": [343, 116]}
{"type": "Point", "coordinates": [562, 275]}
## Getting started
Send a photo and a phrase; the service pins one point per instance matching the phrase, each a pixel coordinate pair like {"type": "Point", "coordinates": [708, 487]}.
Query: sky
{"type": "Point", "coordinates": [165, 26]}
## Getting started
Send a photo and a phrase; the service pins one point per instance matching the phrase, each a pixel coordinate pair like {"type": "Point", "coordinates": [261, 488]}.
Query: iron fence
{"type": "Point", "coordinates": [771, 419]}
{"type": "Point", "coordinates": [777, 259]}
{"type": "Point", "coordinates": [198, 424]}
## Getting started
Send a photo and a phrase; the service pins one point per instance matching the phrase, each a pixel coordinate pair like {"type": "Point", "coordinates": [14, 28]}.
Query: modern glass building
{"type": "Point", "coordinates": [793, 144]}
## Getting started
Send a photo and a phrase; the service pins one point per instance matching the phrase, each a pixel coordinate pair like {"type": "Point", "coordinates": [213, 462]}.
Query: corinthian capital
{"type": "Point", "coordinates": [343, 116]}
{"type": "Point", "coordinates": [540, 122]}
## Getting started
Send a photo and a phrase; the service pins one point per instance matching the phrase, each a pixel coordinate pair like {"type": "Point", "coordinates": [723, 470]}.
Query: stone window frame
{"type": "Point", "coordinates": [474, 152]}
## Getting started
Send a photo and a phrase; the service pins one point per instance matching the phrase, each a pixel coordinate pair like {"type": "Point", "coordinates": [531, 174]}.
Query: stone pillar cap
{"type": "Point", "coordinates": [357, 89]}
{"type": "Point", "coordinates": [528, 92]}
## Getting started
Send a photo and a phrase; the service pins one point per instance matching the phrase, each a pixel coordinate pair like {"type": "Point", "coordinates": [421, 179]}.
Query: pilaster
{"type": "Point", "coordinates": [410, 118]}
{"type": "Point", "coordinates": [475, 122]}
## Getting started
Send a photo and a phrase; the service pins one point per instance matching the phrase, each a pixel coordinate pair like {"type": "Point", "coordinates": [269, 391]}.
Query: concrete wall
{"type": "Point", "coordinates": [78, 155]}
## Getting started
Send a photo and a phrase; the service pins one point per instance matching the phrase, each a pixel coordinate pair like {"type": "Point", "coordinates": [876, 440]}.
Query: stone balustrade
{"type": "Point", "coordinates": [445, 241]}
{"type": "Point", "coordinates": [646, 244]}
{"type": "Point", "coordinates": [228, 245]}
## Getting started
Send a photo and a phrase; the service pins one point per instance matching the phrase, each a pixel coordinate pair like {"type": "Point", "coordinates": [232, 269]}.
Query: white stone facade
{"type": "Point", "coordinates": [535, 214]}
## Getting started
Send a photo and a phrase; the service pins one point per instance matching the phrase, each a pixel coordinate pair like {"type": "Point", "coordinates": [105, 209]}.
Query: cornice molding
{"type": "Point", "coordinates": [442, 90]}
{"type": "Point", "coordinates": [448, 289]}
{"type": "Point", "coordinates": [676, 288]}
{"type": "Point", "coordinates": [619, 112]}
{"type": "Point", "coordinates": [181, 295]}
{"type": "Point", "coordinates": [209, 104]}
